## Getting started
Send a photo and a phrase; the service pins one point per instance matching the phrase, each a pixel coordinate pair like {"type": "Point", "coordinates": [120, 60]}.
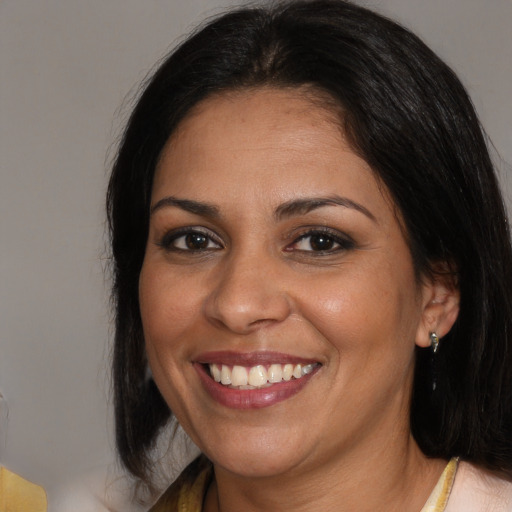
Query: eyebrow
{"type": "Point", "coordinates": [195, 207]}
{"type": "Point", "coordinates": [308, 204]}
{"type": "Point", "coordinates": [289, 209]}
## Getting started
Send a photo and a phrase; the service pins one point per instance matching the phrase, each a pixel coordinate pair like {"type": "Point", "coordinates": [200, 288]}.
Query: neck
{"type": "Point", "coordinates": [392, 478]}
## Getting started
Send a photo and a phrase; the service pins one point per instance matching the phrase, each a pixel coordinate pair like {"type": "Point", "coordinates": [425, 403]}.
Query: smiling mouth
{"type": "Point", "coordinates": [253, 380]}
{"type": "Point", "coordinates": [259, 376]}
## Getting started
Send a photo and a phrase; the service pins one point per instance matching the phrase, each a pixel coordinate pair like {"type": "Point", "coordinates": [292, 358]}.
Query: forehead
{"type": "Point", "coordinates": [265, 132]}
{"type": "Point", "coordinates": [271, 145]}
{"type": "Point", "coordinates": [247, 116]}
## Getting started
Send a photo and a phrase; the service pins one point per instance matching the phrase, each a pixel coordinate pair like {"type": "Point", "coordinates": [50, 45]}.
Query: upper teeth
{"type": "Point", "coordinates": [259, 375]}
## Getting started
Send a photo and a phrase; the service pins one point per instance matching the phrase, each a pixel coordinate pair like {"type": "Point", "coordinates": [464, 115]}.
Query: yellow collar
{"type": "Point", "coordinates": [439, 498]}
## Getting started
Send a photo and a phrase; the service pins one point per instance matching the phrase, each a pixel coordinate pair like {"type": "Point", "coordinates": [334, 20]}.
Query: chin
{"type": "Point", "coordinates": [263, 456]}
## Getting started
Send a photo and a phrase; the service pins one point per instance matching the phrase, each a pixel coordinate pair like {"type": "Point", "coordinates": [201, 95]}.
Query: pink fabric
{"type": "Point", "coordinates": [475, 490]}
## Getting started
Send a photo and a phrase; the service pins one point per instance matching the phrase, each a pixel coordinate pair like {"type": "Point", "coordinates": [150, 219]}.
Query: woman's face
{"type": "Point", "coordinates": [275, 261]}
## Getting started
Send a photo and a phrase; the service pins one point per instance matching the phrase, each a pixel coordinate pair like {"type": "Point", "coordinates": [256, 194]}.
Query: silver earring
{"type": "Point", "coordinates": [148, 374]}
{"type": "Point", "coordinates": [434, 342]}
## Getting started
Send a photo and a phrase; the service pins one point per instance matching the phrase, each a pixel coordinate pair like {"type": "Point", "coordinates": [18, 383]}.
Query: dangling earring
{"type": "Point", "coordinates": [434, 342]}
{"type": "Point", "coordinates": [148, 374]}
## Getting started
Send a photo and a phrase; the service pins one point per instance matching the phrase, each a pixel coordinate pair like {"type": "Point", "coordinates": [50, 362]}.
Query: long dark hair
{"type": "Point", "coordinates": [409, 117]}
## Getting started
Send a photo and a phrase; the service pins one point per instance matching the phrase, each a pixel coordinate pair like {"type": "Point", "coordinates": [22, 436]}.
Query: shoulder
{"type": "Point", "coordinates": [476, 490]}
{"type": "Point", "coordinates": [188, 491]}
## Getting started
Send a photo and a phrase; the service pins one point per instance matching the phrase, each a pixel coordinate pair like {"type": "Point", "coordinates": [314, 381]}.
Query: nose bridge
{"type": "Point", "coordinates": [248, 292]}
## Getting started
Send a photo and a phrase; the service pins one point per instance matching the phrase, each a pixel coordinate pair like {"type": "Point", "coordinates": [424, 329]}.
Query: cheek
{"type": "Point", "coordinates": [167, 314]}
{"type": "Point", "coordinates": [364, 310]}
{"type": "Point", "coordinates": [168, 309]}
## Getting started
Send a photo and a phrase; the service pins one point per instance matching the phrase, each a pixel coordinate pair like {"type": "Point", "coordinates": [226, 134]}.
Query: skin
{"type": "Point", "coordinates": [260, 284]}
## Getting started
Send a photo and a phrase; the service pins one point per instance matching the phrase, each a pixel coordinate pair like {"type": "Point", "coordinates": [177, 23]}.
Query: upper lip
{"type": "Point", "coordinates": [250, 358]}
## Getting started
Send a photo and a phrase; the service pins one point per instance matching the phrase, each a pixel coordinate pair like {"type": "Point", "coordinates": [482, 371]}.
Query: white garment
{"type": "Point", "coordinates": [475, 490]}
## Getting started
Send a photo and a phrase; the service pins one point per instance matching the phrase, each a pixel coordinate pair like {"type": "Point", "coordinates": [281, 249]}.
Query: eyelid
{"type": "Point", "coordinates": [343, 240]}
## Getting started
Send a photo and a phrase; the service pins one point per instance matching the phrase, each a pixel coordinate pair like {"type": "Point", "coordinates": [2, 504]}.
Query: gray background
{"type": "Point", "coordinates": [67, 68]}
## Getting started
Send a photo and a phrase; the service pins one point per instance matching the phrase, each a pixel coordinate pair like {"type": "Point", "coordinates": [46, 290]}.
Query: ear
{"type": "Point", "coordinates": [440, 303]}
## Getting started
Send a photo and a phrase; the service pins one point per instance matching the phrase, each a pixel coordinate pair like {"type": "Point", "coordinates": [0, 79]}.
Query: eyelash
{"type": "Point", "coordinates": [168, 241]}
{"type": "Point", "coordinates": [341, 242]}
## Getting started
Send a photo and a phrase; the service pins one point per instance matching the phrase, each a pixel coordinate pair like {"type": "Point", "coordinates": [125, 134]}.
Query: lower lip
{"type": "Point", "coordinates": [251, 398]}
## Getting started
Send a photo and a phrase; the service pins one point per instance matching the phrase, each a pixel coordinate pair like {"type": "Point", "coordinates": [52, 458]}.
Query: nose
{"type": "Point", "coordinates": [249, 293]}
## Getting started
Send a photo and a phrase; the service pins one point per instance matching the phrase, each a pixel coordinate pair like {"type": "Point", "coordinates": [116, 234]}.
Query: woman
{"type": "Point", "coordinates": [312, 258]}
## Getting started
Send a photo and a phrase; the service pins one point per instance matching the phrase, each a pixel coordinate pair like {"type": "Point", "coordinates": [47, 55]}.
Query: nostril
{"type": "Point", "coordinates": [260, 322]}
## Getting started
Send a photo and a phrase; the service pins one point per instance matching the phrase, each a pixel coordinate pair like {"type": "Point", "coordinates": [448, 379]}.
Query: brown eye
{"type": "Point", "coordinates": [196, 241]}
{"type": "Point", "coordinates": [321, 242]}
{"type": "Point", "coordinates": [189, 240]}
